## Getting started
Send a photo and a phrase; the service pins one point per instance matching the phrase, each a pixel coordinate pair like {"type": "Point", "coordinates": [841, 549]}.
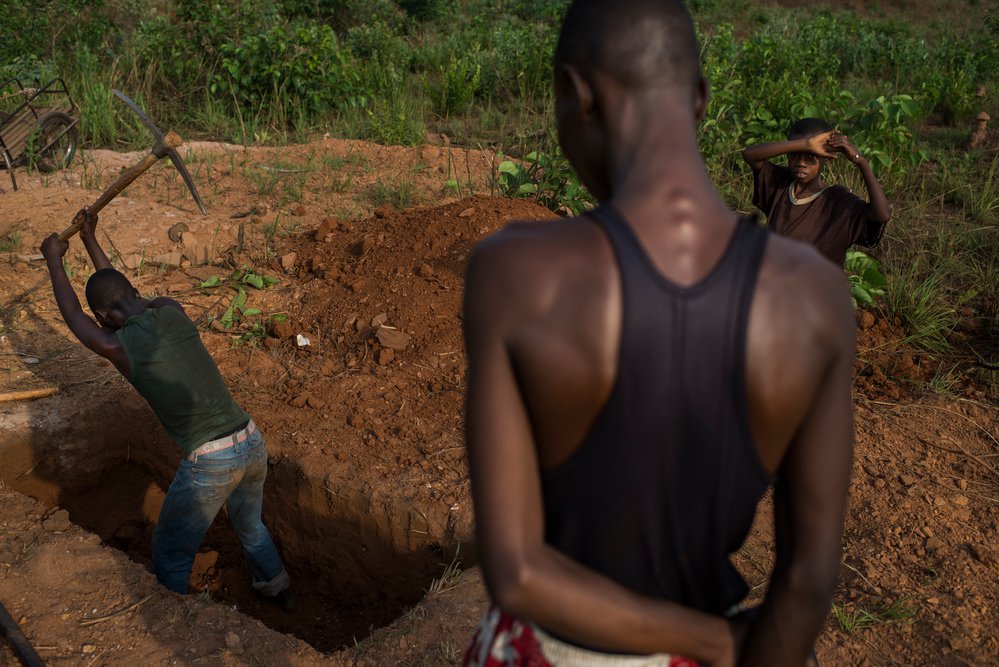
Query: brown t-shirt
{"type": "Point", "coordinates": [831, 222]}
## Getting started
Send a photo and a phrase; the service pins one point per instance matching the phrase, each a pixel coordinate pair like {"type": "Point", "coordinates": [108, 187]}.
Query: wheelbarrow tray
{"type": "Point", "coordinates": [19, 123]}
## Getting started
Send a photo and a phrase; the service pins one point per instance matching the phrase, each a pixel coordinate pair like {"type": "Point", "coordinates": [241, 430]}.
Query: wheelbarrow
{"type": "Point", "coordinates": [37, 126]}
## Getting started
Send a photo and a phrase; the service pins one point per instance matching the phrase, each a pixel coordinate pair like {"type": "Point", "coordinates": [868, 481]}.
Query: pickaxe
{"type": "Point", "coordinates": [165, 146]}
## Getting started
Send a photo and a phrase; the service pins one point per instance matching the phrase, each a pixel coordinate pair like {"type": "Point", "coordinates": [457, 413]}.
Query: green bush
{"type": "Point", "coordinates": [302, 63]}
{"type": "Point", "coordinates": [456, 85]}
{"type": "Point", "coordinates": [36, 30]}
{"type": "Point", "coordinates": [395, 121]}
{"type": "Point", "coordinates": [429, 10]}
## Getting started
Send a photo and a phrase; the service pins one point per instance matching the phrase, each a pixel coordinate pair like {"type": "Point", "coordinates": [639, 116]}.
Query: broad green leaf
{"type": "Point", "coordinates": [254, 279]}
{"type": "Point", "coordinates": [862, 295]}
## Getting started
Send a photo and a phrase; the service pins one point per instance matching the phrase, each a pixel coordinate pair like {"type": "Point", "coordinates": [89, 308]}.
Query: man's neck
{"type": "Point", "coordinates": [134, 308]}
{"type": "Point", "coordinates": [658, 167]}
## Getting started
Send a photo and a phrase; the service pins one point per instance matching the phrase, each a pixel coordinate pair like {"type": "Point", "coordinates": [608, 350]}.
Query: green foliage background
{"type": "Point", "coordinates": [478, 71]}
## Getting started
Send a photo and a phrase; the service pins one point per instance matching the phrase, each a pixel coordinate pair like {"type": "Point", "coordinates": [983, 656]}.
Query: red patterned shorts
{"type": "Point", "coordinates": [503, 641]}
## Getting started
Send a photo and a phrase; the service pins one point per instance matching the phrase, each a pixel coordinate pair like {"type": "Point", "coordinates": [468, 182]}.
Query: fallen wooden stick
{"type": "Point", "coordinates": [28, 394]}
{"type": "Point", "coordinates": [131, 607]}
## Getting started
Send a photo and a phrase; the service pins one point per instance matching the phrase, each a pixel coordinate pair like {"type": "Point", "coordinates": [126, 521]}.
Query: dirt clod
{"type": "Point", "coordinates": [57, 521]}
{"type": "Point", "coordinates": [392, 338]}
{"type": "Point", "coordinates": [234, 643]}
{"type": "Point", "coordinates": [288, 261]}
{"type": "Point", "coordinates": [175, 233]}
{"type": "Point", "coordinates": [282, 329]}
{"type": "Point", "coordinates": [325, 228]}
{"type": "Point", "coordinates": [984, 554]}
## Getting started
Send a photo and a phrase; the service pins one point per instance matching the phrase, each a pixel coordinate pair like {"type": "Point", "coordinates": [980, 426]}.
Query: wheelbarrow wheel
{"type": "Point", "coordinates": [58, 133]}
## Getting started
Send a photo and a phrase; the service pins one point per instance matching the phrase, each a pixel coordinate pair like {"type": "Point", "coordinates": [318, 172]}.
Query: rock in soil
{"type": "Point", "coordinates": [392, 338]}
{"type": "Point", "coordinates": [57, 521]}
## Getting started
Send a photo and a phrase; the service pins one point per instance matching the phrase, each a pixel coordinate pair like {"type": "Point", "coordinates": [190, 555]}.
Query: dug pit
{"type": "Point", "coordinates": [342, 542]}
{"type": "Point", "coordinates": [367, 493]}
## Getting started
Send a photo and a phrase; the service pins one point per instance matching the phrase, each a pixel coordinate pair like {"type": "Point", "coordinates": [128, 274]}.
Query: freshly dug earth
{"type": "Point", "coordinates": [368, 494]}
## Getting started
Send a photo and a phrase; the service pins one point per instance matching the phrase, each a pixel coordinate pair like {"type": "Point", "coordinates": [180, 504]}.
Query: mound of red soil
{"type": "Point", "coordinates": [885, 366]}
{"type": "Point", "coordinates": [379, 301]}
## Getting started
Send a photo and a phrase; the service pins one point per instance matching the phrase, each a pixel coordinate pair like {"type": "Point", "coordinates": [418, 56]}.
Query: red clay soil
{"type": "Point", "coordinates": [368, 493]}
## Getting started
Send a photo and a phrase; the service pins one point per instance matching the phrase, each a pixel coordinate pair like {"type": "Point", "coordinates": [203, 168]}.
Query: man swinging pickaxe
{"type": "Point", "coordinates": [165, 146]}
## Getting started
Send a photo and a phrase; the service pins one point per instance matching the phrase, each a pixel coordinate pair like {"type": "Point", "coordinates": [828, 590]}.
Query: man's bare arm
{"type": "Point", "coordinates": [809, 506]}
{"type": "Point", "coordinates": [526, 577]}
{"type": "Point", "coordinates": [757, 154]}
{"type": "Point", "coordinates": [100, 340]}
{"type": "Point", "coordinates": [88, 234]}
{"type": "Point", "coordinates": [880, 208]}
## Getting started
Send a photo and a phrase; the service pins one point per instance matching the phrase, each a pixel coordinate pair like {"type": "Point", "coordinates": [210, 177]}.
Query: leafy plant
{"type": "Point", "coordinates": [458, 81]}
{"type": "Point", "coordinates": [549, 179]}
{"type": "Point", "coordinates": [866, 281]}
{"type": "Point", "coordinates": [303, 62]}
{"type": "Point", "coordinates": [238, 281]}
{"type": "Point", "coordinates": [395, 120]}
{"type": "Point", "coordinates": [885, 133]}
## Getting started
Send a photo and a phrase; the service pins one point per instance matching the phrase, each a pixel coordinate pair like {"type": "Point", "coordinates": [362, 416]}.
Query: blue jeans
{"type": "Point", "coordinates": [235, 477]}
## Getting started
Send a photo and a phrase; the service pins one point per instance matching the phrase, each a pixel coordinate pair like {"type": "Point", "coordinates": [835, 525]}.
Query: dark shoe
{"type": "Point", "coordinates": [287, 600]}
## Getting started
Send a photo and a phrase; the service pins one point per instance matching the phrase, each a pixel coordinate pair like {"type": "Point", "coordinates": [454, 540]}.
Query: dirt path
{"type": "Point", "coordinates": [368, 494]}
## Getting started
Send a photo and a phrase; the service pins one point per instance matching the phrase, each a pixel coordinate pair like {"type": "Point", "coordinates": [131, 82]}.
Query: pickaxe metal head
{"type": "Point", "coordinates": [161, 148]}
{"type": "Point", "coordinates": [166, 146]}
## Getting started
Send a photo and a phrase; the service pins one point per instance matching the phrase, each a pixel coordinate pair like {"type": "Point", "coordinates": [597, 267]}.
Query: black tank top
{"type": "Point", "coordinates": [665, 485]}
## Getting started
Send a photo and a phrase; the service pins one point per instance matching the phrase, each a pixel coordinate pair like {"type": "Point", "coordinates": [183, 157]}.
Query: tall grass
{"type": "Point", "coordinates": [920, 303]}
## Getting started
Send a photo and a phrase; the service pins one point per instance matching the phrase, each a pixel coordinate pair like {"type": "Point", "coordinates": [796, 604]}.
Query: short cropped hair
{"type": "Point", "coordinates": [108, 289]}
{"type": "Point", "coordinates": [807, 127]}
{"type": "Point", "coordinates": [641, 43]}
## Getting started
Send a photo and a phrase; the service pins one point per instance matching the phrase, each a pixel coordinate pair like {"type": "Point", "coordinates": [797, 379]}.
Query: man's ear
{"type": "Point", "coordinates": [577, 89]}
{"type": "Point", "coordinates": [702, 95]}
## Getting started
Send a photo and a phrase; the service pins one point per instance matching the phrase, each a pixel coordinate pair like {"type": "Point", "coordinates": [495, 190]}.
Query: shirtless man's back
{"type": "Point", "coordinates": [544, 318]}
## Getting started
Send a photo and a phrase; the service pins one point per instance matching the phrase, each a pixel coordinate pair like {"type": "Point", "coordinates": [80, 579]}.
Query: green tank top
{"type": "Point", "coordinates": [173, 371]}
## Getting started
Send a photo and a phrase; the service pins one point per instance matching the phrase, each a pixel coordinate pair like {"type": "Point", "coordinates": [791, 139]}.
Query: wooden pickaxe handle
{"type": "Point", "coordinates": [170, 142]}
